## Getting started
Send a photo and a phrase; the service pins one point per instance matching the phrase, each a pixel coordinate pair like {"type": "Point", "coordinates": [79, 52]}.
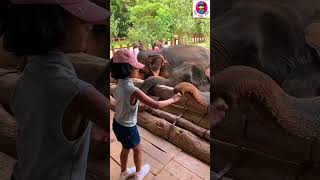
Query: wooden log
{"type": "Point", "coordinates": [196, 118]}
{"type": "Point", "coordinates": [184, 139]}
{"type": "Point", "coordinates": [181, 122]}
{"type": "Point", "coordinates": [89, 68]}
{"type": "Point", "coordinates": [82, 61]}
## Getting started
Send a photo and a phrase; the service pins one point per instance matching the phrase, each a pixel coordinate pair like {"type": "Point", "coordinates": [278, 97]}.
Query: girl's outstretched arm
{"type": "Point", "coordinates": [141, 96]}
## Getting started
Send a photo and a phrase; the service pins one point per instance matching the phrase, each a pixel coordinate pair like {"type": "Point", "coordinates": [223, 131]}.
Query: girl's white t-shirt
{"type": "Point", "coordinates": [125, 114]}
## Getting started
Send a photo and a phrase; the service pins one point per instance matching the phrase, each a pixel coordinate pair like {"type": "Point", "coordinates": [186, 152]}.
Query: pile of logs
{"type": "Point", "coordinates": [89, 68]}
{"type": "Point", "coordinates": [185, 124]}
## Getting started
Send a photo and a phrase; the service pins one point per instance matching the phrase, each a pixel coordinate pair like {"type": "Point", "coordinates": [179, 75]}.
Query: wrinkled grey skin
{"type": "Point", "coordinates": [271, 39]}
{"type": "Point", "coordinates": [268, 37]}
{"type": "Point", "coordinates": [182, 64]}
{"type": "Point", "coordinates": [308, 9]}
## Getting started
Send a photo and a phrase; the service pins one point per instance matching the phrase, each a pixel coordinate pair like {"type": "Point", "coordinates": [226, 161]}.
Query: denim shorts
{"type": "Point", "coordinates": [128, 136]}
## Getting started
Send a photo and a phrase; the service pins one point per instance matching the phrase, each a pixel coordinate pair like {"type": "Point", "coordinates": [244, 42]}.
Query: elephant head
{"type": "Point", "coordinates": [297, 116]}
{"type": "Point", "coordinates": [155, 65]}
{"type": "Point", "coordinates": [272, 41]}
{"type": "Point", "coordinates": [174, 65]}
{"type": "Point", "coordinates": [187, 72]}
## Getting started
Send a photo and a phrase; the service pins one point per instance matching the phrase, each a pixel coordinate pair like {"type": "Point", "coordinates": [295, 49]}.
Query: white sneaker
{"type": "Point", "coordinates": [143, 172]}
{"type": "Point", "coordinates": [129, 172]}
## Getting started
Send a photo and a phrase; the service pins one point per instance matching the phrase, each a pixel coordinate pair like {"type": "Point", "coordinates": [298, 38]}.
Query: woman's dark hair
{"type": "Point", "coordinates": [119, 70]}
{"type": "Point", "coordinates": [34, 29]}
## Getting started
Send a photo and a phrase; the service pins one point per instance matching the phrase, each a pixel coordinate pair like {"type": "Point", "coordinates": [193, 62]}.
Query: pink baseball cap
{"type": "Point", "coordinates": [83, 9]}
{"type": "Point", "coordinates": [126, 56]}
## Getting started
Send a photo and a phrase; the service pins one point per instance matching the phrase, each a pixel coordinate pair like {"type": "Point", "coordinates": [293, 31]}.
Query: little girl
{"type": "Point", "coordinates": [123, 66]}
{"type": "Point", "coordinates": [54, 109]}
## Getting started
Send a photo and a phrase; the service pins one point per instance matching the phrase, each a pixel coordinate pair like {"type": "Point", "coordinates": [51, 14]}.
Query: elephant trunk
{"type": "Point", "coordinates": [153, 81]}
{"type": "Point", "coordinates": [299, 117]}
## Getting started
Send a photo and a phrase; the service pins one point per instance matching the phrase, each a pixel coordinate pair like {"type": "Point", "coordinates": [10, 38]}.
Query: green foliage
{"type": "Point", "coordinates": [201, 27]}
{"type": "Point", "coordinates": [119, 10]}
{"type": "Point", "coordinates": [151, 20]}
{"type": "Point", "coordinates": [114, 30]}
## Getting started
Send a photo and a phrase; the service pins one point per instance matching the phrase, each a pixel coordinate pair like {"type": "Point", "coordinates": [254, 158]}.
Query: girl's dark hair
{"type": "Point", "coordinates": [34, 29]}
{"type": "Point", "coordinates": [119, 70]}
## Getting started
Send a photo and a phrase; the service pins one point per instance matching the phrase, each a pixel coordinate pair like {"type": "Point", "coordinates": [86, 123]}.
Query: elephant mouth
{"type": "Point", "coordinates": [218, 111]}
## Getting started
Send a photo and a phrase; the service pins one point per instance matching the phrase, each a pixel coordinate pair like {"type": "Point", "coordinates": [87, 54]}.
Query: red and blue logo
{"type": "Point", "coordinates": [201, 9]}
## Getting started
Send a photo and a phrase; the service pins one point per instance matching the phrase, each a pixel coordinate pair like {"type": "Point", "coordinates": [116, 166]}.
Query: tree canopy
{"type": "Point", "coordinates": [150, 20]}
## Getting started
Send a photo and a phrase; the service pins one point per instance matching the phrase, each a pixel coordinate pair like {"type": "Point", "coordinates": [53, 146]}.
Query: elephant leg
{"type": "Point", "coordinates": [185, 87]}
{"type": "Point", "coordinates": [153, 81]}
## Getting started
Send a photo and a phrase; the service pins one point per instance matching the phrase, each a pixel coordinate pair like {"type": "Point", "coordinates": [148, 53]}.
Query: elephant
{"type": "Point", "coordinates": [308, 9]}
{"type": "Point", "coordinates": [273, 41]}
{"type": "Point", "coordinates": [279, 127]}
{"type": "Point", "coordinates": [173, 65]}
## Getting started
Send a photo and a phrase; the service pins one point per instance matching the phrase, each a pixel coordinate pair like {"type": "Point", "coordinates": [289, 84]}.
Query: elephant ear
{"type": "Point", "coordinates": [155, 63]}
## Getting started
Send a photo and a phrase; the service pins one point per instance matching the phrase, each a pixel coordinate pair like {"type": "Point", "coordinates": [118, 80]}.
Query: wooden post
{"type": "Point", "coordinates": [112, 47]}
{"type": "Point", "coordinates": [128, 46]}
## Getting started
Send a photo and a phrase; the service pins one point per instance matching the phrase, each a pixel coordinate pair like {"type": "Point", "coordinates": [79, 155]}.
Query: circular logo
{"type": "Point", "coordinates": [201, 7]}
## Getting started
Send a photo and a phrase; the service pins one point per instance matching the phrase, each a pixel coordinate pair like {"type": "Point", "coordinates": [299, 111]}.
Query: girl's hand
{"type": "Point", "coordinates": [176, 97]}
